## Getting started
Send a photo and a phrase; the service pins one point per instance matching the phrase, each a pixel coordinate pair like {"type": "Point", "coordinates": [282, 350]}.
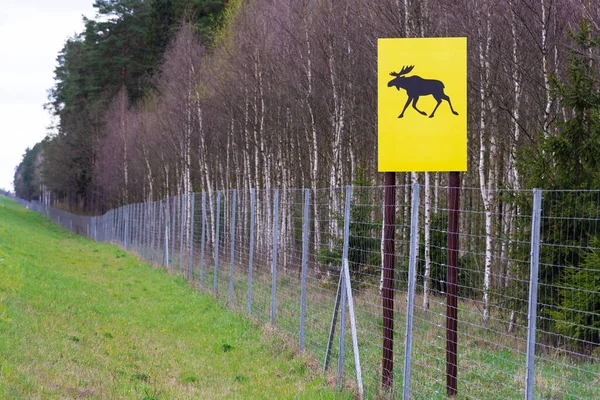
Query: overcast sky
{"type": "Point", "coordinates": [32, 32]}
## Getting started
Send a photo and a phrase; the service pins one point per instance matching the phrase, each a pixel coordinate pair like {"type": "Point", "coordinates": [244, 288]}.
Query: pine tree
{"type": "Point", "coordinates": [569, 159]}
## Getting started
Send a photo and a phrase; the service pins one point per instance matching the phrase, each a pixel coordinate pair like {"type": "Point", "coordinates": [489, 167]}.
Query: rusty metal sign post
{"type": "Point", "coordinates": [387, 362]}
{"type": "Point", "coordinates": [452, 285]}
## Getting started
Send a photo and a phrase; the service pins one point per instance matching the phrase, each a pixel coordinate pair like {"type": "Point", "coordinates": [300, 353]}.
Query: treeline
{"type": "Point", "coordinates": [163, 97]}
{"type": "Point", "coordinates": [119, 52]}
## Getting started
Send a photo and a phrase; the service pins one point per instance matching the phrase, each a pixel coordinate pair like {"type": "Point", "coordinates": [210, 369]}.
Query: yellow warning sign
{"type": "Point", "coordinates": [422, 109]}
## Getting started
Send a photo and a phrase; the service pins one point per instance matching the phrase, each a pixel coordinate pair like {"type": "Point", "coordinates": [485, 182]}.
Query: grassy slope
{"type": "Point", "coordinates": [80, 319]}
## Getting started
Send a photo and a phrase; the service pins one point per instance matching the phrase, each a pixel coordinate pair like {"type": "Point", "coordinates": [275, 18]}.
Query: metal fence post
{"type": "Point", "coordinates": [216, 277]}
{"type": "Point", "coordinates": [147, 230]}
{"type": "Point", "coordinates": [181, 231]}
{"type": "Point", "coordinates": [138, 226]}
{"type": "Point", "coordinates": [191, 263]}
{"type": "Point", "coordinates": [412, 272]}
{"type": "Point", "coordinates": [117, 223]}
{"type": "Point", "coordinates": [274, 265]}
{"type": "Point", "coordinates": [126, 228]}
{"type": "Point", "coordinates": [343, 289]}
{"type": "Point", "coordinates": [352, 315]}
{"type": "Point", "coordinates": [173, 226]}
{"type": "Point", "coordinates": [533, 292]}
{"type": "Point", "coordinates": [143, 230]}
{"type": "Point", "coordinates": [123, 224]}
{"type": "Point", "coordinates": [153, 237]}
{"type": "Point", "coordinates": [232, 245]}
{"type": "Point", "coordinates": [166, 241]}
{"type": "Point", "coordinates": [304, 267]}
{"type": "Point", "coordinates": [135, 227]}
{"type": "Point", "coordinates": [130, 226]}
{"type": "Point", "coordinates": [251, 256]}
{"type": "Point", "coordinates": [202, 237]}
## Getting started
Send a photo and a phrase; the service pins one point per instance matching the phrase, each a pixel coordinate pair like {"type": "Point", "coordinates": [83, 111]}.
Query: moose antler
{"type": "Point", "coordinates": [404, 71]}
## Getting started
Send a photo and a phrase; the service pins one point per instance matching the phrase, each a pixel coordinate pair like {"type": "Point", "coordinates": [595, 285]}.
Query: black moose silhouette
{"type": "Point", "coordinates": [416, 87]}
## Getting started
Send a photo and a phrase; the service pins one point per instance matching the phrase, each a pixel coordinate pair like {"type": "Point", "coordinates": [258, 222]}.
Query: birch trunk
{"type": "Point", "coordinates": [314, 154]}
{"type": "Point", "coordinates": [203, 164]}
{"type": "Point", "coordinates": [336, 122]}
{"type": "Point", "coordinates": [427, 279]}
{"type": "Point", "coordinates": [545, 70]}
{"type": "Point", "coordinates": [486, 179]}
{"type": "Point", "coordinates": [509, 226]}
{"type": "Point", "coordinates": [123, 125]}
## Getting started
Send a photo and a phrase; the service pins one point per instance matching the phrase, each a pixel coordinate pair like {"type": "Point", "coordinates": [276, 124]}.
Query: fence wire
{"type": "Point", "coordinates": [278, 255]}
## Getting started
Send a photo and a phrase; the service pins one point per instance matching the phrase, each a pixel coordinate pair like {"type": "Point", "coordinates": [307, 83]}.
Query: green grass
{"type": "Point", "coordinates": [491, 361]}
{"type": "Point", "coordinates": [80, 319]}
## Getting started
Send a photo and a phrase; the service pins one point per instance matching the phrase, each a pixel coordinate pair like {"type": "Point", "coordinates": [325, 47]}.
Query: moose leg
{"type": "Point", "coordinates": [436, 107]}
{"type": "Point", "coordinates": [450, 103]}
{"type": "Point", "coordinates": [414, 104]}
{"type": "Point", "coordinates": [404, 109]}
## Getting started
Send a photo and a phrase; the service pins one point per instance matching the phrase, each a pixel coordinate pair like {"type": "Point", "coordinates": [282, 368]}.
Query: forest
{"type": "Point", "coordinates": [161, 98]}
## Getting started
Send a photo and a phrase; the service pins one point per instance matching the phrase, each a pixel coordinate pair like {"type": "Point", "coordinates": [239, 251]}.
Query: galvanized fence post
{"type": "Point", "coordinates": [140, 229]}
{"type": "Point", "coordinates": [134, 227]}
{"type": "Point", "coordinates": [117, 231]}
{"type": "Point", "coordinates": [157, 232]}
{"type": "Point", "coordinates": [343, 289]}
{"type": "Point", "coordinates": [218, 216]}
{"type": "Point", "coordinates": [352, 315]}
{"type": "Point", "coordinates": [181, 231]}
{"type": "Point", "coordinates": [166, 219]}
{"type": "Point", "coordinates": [123, 224]}
{"type": "Point", "coordinates": [304, 267]}
{"type": "Point", "coordinates": [251, 256]}
{"type": "Point", "coordinates": [336, 308]}
{"type": "Point", "coordinates": [191, 263]}
{"type": "Point", "coordinates": [202, 238]}
{"type": "Point", "coordinates": [533, 291]}
{"type": "Point", "coordinates": [126, 228]}
{"type": "Point", "coordinates": [147, 229]}
{"type": "Point", "coordinates": [274, 265]}
{"type": "Point", "coordinates": [173, 237]}
{"type": "Point", "coordinates": [232, 246]}
{"type": "Point", "coordinates": [412, 272]}
{"type": "Point", "coordinates": [153, 237]}
{"type": "Point", "coordinates": [130, 226]}
{"type": "Point", "coordinates": [121, 240]}
{"type": "Point", "coordinates": [143, 230]}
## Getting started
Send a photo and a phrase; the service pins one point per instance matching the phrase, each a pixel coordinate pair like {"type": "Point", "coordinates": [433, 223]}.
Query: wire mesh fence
{"type": "Point", "coordinates": [309, 264]}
